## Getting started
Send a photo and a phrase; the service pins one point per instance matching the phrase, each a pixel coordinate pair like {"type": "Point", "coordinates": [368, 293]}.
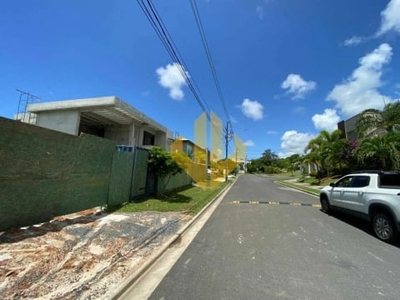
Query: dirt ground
{"type": "Point", "coordinates": [80, 256]}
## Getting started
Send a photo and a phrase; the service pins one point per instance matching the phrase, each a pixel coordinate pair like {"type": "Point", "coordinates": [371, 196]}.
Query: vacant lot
{"type": "Point", "coordinates": [80, 256]}
{"type": "Point", "coordinates": [88, 254]}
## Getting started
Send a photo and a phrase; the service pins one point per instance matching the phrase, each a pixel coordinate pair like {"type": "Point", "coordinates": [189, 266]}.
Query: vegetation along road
{"type": "Point", "coordinates": [267, 241]}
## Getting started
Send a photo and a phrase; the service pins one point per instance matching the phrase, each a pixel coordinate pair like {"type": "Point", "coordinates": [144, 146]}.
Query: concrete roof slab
{"type": "Point", "coordinates": [110, 107]}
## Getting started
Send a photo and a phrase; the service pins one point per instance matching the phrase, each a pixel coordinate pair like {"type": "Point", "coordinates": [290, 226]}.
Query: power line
{"type": "Point", "coordinates": [158, 25]}
{"type": "Point", "coordinates": [209, 58]}
{"type": "Point", "coordinates": [228, 130]}
{"type": "Point", "coordinates": [161, 30]}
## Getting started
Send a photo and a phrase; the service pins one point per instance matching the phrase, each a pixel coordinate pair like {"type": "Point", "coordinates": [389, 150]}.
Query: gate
{"type": "Point", "coordinates": [143, 182]}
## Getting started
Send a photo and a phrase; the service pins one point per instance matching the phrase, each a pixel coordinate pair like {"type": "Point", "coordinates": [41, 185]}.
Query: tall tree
{"type": "Point", "coordinates": [373, 122]}
{"type": "Point", "coordinates": [269, 158]}
{"type": "Point", "coordinates": [293, 162]}
{"type": "Point", "coordinates": [325, 150]}
{"type": "Point", "coordinates": [378, 153]}
{"type": "Point", "coordinates": [391, 115]}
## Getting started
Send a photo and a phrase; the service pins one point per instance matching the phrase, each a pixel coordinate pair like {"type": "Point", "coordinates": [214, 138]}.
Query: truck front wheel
{"type": "Point", "coordinates": [325, 206]}
{"type": "Point", "coordinates": [384, 227]}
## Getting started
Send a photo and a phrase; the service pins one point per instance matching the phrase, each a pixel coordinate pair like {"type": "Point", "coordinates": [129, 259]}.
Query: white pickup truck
{"type": "Point", "coordinates": [372, 195]}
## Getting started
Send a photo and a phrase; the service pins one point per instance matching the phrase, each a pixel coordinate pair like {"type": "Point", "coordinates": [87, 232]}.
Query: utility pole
{"type": "Point", "coordinates": [228, 135]}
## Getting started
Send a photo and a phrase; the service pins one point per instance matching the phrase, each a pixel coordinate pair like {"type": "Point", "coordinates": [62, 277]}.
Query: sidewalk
{"type": "Point", "coordinates": [304, 186]}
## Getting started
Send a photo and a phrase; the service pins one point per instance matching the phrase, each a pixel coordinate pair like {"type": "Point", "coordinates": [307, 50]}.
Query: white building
{"type": "Point", "coordinates": [107, 117]}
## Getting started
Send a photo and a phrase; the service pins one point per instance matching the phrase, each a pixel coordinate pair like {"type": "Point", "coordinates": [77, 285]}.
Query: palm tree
{"type": "Point", "coordinates": [378, 153]}
{"type": "Point", "coordinates": [269, 158]}
{"type": "Point", "coordinates": [394, 137]}
{"type": "Point", "coordinates": [312, 159]}
{"type": "Point", "coordinates": [391, 115]}
{"type": "Point", "coordinates": [327, 148]}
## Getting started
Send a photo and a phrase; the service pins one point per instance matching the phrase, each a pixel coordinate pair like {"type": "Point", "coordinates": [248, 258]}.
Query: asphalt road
{"type": "Point", "coordinates": [254, 248]}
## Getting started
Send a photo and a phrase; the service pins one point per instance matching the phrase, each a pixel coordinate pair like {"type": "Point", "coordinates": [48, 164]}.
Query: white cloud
{"type": "Point", "coordinates": [390, 18]}
{"type": "Point", "coordinates": [272, 132]}
{"type": "Point", "coordinates": [294, 142]}
{"type": "Point", "coordinates": [359, 91]}
{"type": "Point", "coordinates": [171, 78]}
{"type": "Point", "coordinates": [326, 121]}
{"type": "Point", "coordinates": [354, 40]}
{"type": "Point", "coordinates": [252, 109]}
{"type": "Point", "coordinates": [260, 12]}
{"type": "Point", "coordinates": [249, 143]}
{"type": "Point", "coordinates": [297, 86]}
{"type": "Point", "coordinates": [390, 21]}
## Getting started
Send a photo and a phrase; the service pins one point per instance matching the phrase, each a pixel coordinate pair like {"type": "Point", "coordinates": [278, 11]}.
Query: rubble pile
{"type": "Point", "coordinates": [80, 256]}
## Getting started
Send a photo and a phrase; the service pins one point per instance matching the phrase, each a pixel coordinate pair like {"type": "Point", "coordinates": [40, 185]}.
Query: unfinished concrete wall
{"type": "Point", "coordinates": [44, 173]}
{"type": "Point", "coordinates": [63, 121]}
{"type": "Point", "coordinates": [161, 139]}
{"type": "Point", "coordinates": [119, 134]}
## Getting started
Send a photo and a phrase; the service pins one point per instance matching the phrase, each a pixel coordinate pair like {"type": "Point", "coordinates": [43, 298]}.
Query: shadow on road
{"type": "Point", "coordinates": [360, 224]}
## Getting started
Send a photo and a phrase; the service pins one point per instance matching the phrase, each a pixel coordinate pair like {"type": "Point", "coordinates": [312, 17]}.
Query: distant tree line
{"type": "Point", "coordinates": [376, 148]}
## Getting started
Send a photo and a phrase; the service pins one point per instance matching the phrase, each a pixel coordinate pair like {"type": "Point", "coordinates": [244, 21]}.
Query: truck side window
{"type": "Point", "coordinates": [360, 181]}
{"type": "Point", "coordinates": [345, 182]}
{"type": "Point", "coordinates": [390, 180]}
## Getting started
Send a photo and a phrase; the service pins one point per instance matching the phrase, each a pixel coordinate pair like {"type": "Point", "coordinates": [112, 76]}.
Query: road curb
{"type": "Point", "coordinates": [135, 276]}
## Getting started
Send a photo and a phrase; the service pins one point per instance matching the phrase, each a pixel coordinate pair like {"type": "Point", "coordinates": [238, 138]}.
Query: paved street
{"type": "Point", "coordinates": [254, 248]}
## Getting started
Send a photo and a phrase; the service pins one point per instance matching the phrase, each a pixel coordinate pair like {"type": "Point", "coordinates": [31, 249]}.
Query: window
{"type": "Point", "coordinates": [148, 138]}
{"type": "Point", "coordinates": [360, 181]}
{"type": "Point", "coordinates": [390, 180]}
{"type": "Point", "coordinates": [96, 130]}
{"type": "Point", "coordinates": [354, 181]}
{"type": "Point", "coordinates": [345, 182]}
{"type": "Point", "coordinates": [189, 151]}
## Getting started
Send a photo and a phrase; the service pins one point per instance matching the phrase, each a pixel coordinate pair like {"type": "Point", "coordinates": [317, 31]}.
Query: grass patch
{"type": "Point", "coordinates": [300, 187]}
{"type": "Point", "coordinates": [312, 181]}
{"type": "Point", "coordinates": [190, 200]}
{"type": "Point", "coordinates": [323, 182]}
{"type": "Point", "coordinates": [284, 174]}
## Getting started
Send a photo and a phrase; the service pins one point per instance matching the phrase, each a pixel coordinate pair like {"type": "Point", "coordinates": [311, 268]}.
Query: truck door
{"type": "Point", "coordinates": [338, 191]}
{"type": "Point", "coordinates": [354, 195]}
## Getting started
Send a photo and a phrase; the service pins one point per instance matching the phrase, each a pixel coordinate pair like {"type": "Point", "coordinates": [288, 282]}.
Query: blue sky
{"type": "Point", "coordinates": [287, 68]}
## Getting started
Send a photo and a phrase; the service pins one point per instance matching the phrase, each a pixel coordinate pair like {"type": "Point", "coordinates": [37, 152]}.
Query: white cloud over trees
{"type": "Point", "coordinates": [360, 90]}
{"type": "Point", "coordinates": [293, 142]}
{"type": "Point", "coordinates": [327, 120]}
